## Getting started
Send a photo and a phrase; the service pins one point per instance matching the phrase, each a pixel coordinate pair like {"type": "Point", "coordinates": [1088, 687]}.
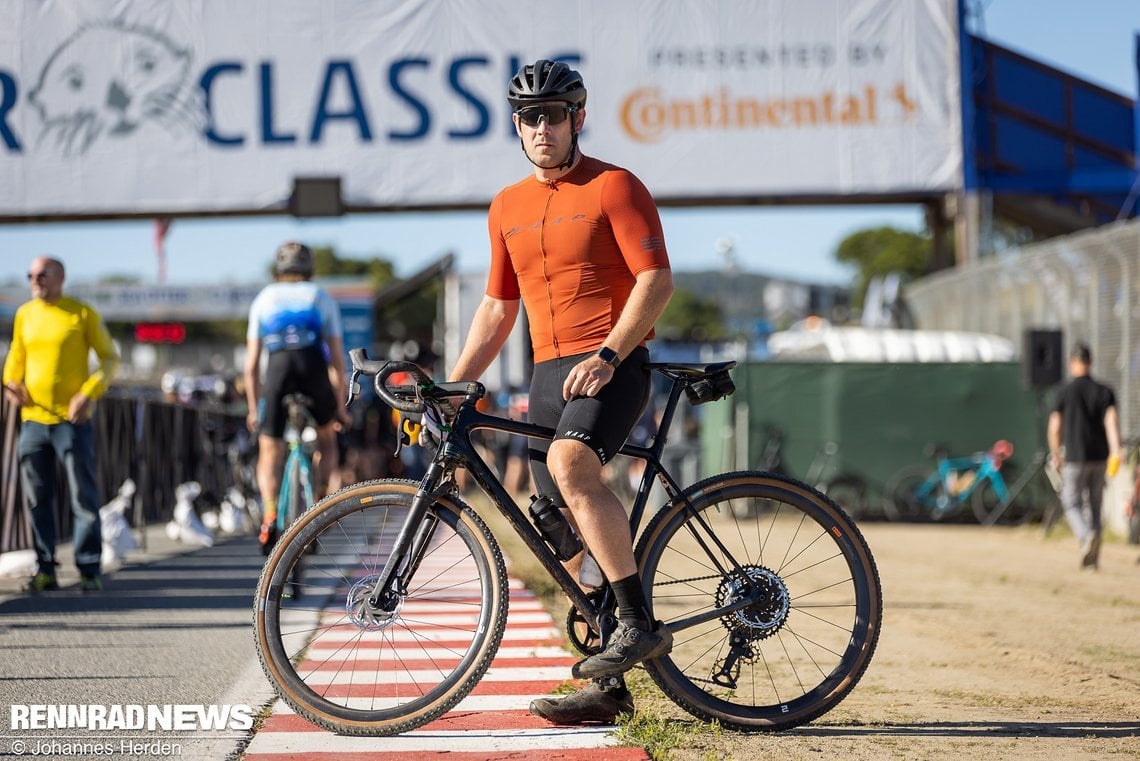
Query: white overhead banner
{"type": "Point", "coordinates": [178, 106]}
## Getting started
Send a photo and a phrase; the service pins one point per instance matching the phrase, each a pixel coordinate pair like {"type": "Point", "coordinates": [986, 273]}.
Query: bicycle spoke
{"type": "Point", "coordinates": [391, 663]}
{"type": "Point", "coordinates": [794, 629]}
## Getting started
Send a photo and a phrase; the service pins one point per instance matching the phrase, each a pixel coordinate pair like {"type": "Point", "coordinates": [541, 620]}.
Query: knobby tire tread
{"type": "Point", "coordinates": [698, 493]}
{"type": "Point", "coordinates": [490, 640]}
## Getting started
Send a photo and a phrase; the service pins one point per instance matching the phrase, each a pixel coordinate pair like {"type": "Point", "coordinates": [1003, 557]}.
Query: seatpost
{"type": "Point", "coordinates": [667, 417]}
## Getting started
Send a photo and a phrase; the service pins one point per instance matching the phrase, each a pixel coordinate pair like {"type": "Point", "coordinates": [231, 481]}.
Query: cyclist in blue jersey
{"type": "Point", "coordinates": [298, 324]}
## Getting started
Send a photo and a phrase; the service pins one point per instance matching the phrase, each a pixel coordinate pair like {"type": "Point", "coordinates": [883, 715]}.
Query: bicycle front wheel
{"type": "Point", "coordinates": [987, 503]}
{"type": "Point", "coordinates": [808, 634]}
{"type": "Point", "coordinates": [357, 671]}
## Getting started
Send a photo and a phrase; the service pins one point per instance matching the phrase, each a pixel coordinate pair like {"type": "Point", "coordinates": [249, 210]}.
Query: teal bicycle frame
{"type": "Point", "coordinates": [939, 492]}
{"type": "Point", "coordinates": [296, 493]}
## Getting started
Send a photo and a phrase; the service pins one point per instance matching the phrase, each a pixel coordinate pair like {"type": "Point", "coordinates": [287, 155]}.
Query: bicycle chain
{"type": "Point", "coordinates": [688, 581]}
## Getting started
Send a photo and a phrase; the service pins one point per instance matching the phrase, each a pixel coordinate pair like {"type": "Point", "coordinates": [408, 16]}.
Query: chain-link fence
{"type": "Point", "coordinates": [1087, 285]}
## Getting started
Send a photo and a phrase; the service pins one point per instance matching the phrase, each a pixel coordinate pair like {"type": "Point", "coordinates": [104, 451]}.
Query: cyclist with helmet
{"type": "Point", "coordinates": [298, 324]}
{"type": "Point", "coordinates": [579, 241]}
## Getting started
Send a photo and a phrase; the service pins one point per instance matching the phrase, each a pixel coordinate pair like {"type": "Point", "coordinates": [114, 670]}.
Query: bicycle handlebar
{"type": "Point", "coordinates": [410, 399]}
{"type": "Point", "coordinates": [403, 398]}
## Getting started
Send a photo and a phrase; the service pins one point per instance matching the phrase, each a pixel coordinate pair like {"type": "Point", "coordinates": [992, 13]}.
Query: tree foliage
{"type": "Point", "coordinates": [690, 317]}
{"type": "Point", "coordinates": [880, 251]}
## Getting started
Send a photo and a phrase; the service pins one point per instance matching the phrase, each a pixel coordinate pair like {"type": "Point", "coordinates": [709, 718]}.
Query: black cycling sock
{"type": "Point", "coordinates": [632, 606]}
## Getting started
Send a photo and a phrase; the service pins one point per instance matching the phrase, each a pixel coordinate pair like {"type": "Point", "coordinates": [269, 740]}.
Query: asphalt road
{"type": "Point", "coordinates": [172, 627]}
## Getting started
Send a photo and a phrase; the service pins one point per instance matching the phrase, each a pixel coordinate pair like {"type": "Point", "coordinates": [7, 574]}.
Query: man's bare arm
{"type": "Point", "coordinates": [490, 328]}
{"type": "Point", "coordinates": [1112, 431]}
{"type": "Point", "coordinates": [252, 379]}
{"type": "Point", "coordinates": [647, 300]}
{"type": "Point", "coordinates": [1053, 436]}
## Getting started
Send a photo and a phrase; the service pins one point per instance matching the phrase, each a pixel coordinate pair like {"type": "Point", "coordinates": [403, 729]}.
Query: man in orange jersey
{"type": "Point", "coordinates": [580, 242]}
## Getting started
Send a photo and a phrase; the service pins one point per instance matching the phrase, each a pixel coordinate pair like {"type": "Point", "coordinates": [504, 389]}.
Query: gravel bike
{"type": "Point", "coordinates": [775, 617]}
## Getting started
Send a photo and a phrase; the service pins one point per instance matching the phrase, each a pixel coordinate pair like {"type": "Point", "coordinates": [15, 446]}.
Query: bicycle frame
{"type": "Point", "coordinates": [415, 534]}
{"type": "Point", "coordinates": [981, 465]}
{"type": "Point", "coordinates": [300, 453]}
{"type": "Point", "coordinates": [1037, 465]}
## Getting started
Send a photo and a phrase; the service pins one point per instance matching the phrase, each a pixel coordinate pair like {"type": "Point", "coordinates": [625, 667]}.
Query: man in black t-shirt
{"type": "Point", "coordinates": [1084, 420]}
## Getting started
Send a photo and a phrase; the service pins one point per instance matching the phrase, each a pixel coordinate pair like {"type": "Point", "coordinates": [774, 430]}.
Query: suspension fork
{"type": "Point", "coordinates": [410, 546]}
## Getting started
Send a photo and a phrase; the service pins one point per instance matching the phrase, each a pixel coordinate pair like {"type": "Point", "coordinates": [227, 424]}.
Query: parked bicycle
{"type": "Point", "coordinates": [942, 492]}
{"type": "Point", "coordinates": [846, 489]}
{"type": "Point", "coordinates": [775, 618]}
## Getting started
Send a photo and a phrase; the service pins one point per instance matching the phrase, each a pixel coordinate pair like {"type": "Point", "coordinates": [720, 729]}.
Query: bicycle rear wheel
{"type": "Point", "coordinates": [360, 673]}
{"type": "Point", "coordinates": [850, 493]}
{"type": "Point", "coordinates": [802, 645]}
{"type": "Point", "coordinates": [902, 499]}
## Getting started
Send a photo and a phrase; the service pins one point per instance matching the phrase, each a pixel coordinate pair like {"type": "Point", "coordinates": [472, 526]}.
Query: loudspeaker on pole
{"type": "Point", "coordinates": [1042, 363]}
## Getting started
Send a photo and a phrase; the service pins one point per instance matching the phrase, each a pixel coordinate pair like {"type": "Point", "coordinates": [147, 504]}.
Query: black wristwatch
{"type": "Point", "coordinates": [609, 356]}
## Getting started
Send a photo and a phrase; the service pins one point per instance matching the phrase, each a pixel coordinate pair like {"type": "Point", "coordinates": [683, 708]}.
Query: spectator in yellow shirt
{"type": "Point", "coordinates": [48, 375]}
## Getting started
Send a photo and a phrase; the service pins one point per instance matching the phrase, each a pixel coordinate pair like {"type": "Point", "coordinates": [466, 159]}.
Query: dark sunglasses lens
{"type": "Point", "coordinates": [37, 276]}
{"type": "Point", "coordinates": [552, 114]}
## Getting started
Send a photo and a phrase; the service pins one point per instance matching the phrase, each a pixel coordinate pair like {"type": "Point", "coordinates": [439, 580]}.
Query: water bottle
{"type": "Point", "coordinates": [554, 527]}
{"type": "Point", "coordinates": [590, 574]}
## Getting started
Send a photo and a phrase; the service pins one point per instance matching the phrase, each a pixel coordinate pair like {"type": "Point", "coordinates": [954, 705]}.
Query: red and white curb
{"type": "Point", "coordinates": [491, 723]}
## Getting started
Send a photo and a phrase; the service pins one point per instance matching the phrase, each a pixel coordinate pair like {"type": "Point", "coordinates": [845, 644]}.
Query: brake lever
{"type": "Point", "coordinates": [353, 387]}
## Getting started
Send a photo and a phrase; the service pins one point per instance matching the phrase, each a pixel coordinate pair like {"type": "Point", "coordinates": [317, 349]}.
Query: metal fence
{"type": "Point", "coordinates": [1087, 285]}
{"type": "Point", "coordinates": [157, 444]}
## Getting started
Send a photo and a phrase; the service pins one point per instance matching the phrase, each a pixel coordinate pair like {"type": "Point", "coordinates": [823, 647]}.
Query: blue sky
{"type": "Point", "coordinates": [1092, 39]}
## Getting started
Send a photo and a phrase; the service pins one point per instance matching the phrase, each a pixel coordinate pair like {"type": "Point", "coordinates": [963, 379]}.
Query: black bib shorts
{"type": "Point", "coordinates": [602, 422]}
{"type": "Point", "coordinates": [296, 371]}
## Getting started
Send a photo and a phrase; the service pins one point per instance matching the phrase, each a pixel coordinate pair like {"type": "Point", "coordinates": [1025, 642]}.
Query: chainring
{"type": "Point", "coordinates": [584, 639]}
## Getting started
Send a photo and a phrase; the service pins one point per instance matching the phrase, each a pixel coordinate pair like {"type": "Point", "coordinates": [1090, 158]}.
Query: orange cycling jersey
{"type": "Point", "coordinates": [572, 249]}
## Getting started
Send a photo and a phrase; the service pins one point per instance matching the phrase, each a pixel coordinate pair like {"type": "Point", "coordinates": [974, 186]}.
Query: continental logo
{"type": "Point", "coordinates": [648, 116]}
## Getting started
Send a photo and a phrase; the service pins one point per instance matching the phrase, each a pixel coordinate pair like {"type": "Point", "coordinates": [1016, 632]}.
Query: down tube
{"type": "Point", "coordinates": [529, 534]}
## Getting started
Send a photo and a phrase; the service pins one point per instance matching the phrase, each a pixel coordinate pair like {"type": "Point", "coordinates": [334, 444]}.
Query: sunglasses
{"type": "Point", "coordinates": [38, 277]}
{"type": "Point", "coordinates": [531, 115]}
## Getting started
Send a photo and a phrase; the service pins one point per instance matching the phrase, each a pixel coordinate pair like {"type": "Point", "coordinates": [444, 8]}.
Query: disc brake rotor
{"type": "Point", "coordinates": [361, 613]}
